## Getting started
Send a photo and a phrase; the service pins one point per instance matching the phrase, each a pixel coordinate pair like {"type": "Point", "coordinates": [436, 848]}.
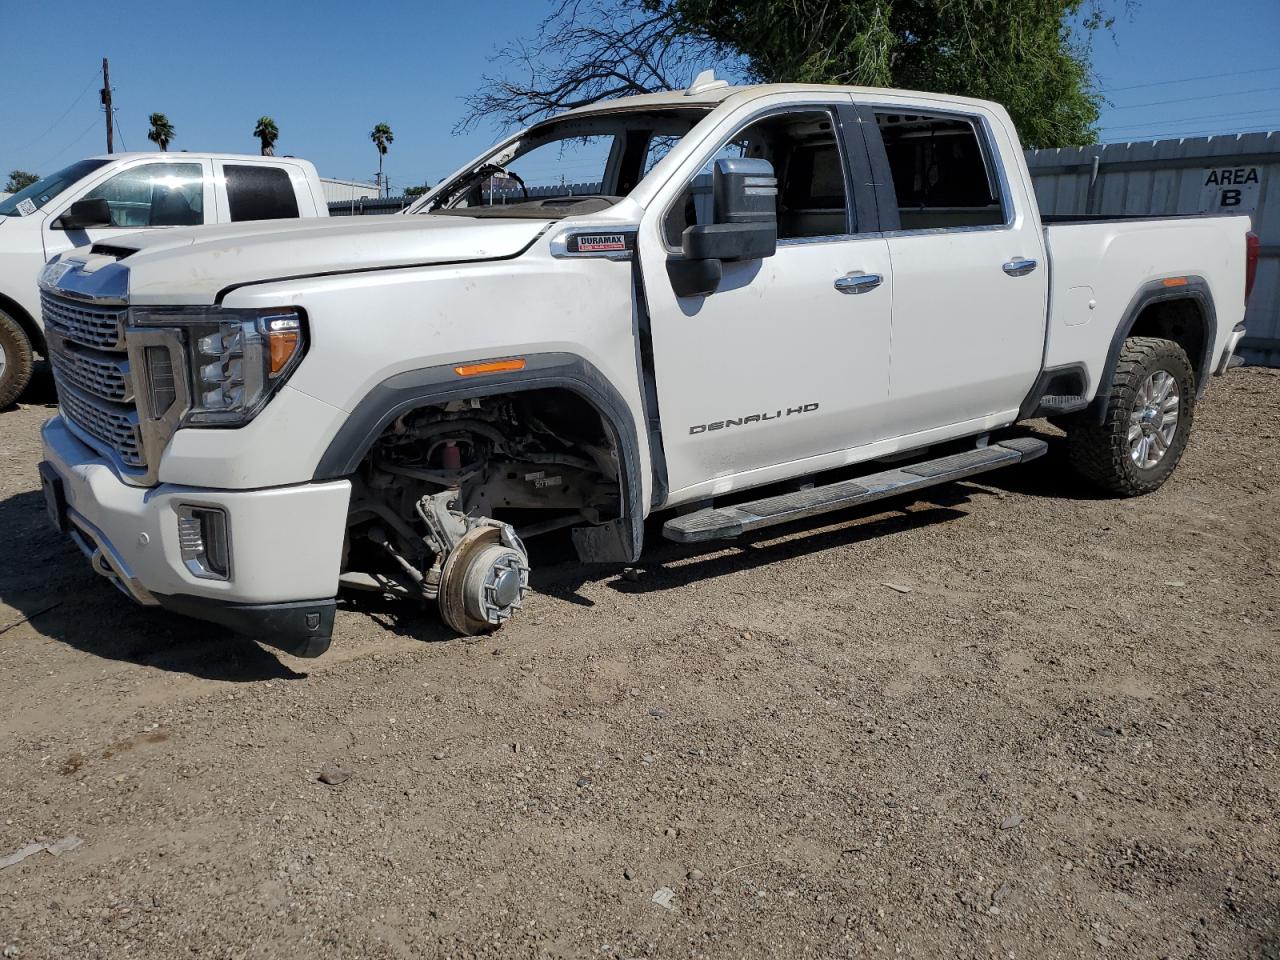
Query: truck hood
{"type": "Point", "coordinates": [193, 266]}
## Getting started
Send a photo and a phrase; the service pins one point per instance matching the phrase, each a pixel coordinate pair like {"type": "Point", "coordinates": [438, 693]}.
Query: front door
{"type": "Point", "coordinates": [151, 193]}
{"type": "Point", "coordinates": [788, 359]}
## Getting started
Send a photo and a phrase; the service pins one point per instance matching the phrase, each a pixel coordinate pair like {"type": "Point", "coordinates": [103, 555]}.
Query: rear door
{"type": "Point", "coordinates": [787, 360]}
{"type": "Point", "coordinates": [970, 277]}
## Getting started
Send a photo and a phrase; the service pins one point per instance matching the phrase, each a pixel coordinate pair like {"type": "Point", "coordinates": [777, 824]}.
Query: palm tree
{"type": "Point", "coordinates": [267, 132]}
{"type": "Point", "coordinates": [382, 138]}
{"type": "Point", "coordinates": [161, 133]}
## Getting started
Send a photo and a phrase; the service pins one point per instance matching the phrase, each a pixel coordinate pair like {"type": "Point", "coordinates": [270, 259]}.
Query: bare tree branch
{"type": "Point", "coordinates": [591, 50]}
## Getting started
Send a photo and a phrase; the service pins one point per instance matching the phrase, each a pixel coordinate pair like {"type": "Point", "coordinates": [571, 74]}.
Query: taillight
{"type": "Point", "coordinates": [1252, 246]}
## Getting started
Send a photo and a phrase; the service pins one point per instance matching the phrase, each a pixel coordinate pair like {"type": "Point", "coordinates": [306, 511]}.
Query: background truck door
{"type": "Point", "coordinates": [788, 359]}
{"type": "Point", "coordinates": [149, 193]}
{"type": "Point", "coordinates": [970, 277]}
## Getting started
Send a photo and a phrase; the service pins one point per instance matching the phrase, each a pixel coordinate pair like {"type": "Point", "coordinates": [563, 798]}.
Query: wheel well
{"type": "Point", "coordinates": [25, 321]}
{"type": "Point", "coordinates": [1182, 321]}
{"type": "Point", "coordinates": [538, 454]}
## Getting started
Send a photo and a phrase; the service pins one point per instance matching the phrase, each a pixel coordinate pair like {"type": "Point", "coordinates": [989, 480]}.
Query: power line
{"type": "Point", "coordinates": [1209, 96]}
{"type": "Point", "coordinates": [93, 123]}
{"type": "Point", "coordinates": [1207, 76]}
{"type": "Point", "coordinates": [63, 116]}
{"type": "Point", "coordinates": [115, 115]}
{"type": "Point", "coordinates": [1195, 119]}
{"type": "Point", "coordinates": [1206, 132]}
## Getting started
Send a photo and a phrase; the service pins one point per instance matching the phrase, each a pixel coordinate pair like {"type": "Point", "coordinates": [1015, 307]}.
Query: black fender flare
{"type": "Point", "coordinates": [430, 386]}
{"type": "Point", "coordinates": [1195, 289]}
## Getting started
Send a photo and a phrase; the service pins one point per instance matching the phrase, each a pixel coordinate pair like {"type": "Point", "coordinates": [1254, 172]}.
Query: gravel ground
{"type": "Point", "coordinates": [1008, 720]}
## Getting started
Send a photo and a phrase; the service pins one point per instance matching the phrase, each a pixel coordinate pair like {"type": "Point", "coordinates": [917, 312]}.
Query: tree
{"type": "Point", "coordinates": [267, 133]}
{"type": "Point", "coordinates": [161, 132]}
{"type": "Point", "coordinates": [382, 138]}
{"type": "Point", "coordinates": [417, 191]}
{"type": "Point", "coordinates": [590, 50]}
{"type": "Point", "coordinates": [1031, 55]}
{"type": "Point", "coordinates": [19, 179]}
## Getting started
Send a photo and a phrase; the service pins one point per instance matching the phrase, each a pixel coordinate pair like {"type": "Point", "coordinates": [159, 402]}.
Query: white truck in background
{"type": "Point", "coordinates": [782, 300]}
{"type": "Point", "coordinates": [105, 199]}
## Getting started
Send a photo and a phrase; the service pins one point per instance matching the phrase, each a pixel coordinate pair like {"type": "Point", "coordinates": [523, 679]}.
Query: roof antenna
{"type": "Point", "coordinates": [704, 81]}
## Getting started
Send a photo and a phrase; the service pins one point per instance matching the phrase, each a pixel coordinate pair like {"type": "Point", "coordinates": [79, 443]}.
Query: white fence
{"type": "Point", "coordinates": [1227, 174]}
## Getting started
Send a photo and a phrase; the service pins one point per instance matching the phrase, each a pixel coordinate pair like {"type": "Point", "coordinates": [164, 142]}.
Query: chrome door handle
{"type": "Point", "coordinates": [1019, 267]}
{"type": "Point", "coordinates": [858, 282]}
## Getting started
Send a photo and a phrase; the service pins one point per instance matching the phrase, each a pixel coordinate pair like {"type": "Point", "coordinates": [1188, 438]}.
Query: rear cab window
{"type": "Point", "coordinates": [942, 171]}
{"type": "Point", "coordinates": [259, 192]}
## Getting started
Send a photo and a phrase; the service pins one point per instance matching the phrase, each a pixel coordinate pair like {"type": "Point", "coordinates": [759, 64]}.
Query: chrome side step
{"type": "Point", "coordinates": [724, 523]}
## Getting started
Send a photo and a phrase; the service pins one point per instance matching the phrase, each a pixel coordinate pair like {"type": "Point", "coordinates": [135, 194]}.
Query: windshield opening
{"type": "Point", "coordinates": [31, 198]}
{"type": "Point", "coordinates": [565, 167]}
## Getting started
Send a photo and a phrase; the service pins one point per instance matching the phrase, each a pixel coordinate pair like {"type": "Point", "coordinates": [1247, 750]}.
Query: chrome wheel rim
{"type": "Point", "coordinates": [4, 361]}
{"type": "Point", "coordinates": [1154, 419]}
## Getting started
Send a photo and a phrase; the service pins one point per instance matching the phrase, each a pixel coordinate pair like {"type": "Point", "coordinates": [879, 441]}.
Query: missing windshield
{"type": "Point", "coordinates": [566, 167]}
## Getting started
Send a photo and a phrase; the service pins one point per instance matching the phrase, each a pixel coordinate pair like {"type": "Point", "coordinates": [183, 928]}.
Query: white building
{"type": "Point", "coordinates": [337, 191]}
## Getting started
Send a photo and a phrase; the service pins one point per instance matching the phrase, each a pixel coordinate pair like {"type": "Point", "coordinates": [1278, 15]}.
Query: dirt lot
{"type": "Point", "coordinates": [1055, 735]}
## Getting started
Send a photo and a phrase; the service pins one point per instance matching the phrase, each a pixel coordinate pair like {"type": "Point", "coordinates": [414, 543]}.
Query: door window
{"type": "Point", "coordinates": [804, 150]}
{"type": "Point", "coordinates": [259, 193]}
{"type": "Point", "coordinates": [941, 173]}
{"type": "Point", "coordinates": [154, 195]}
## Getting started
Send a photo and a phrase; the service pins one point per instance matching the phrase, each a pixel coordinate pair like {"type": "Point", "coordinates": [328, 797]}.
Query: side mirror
{"type": "Point", "coordinates": [744, 196]}
{"type": "Point", "coordinates": [86, 213]}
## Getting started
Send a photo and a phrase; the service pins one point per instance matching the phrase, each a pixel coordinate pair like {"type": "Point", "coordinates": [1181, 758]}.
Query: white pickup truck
{"type": "Point", "coordinates": [775, 301]}
{"type": "Point", "coordinates": [104, 200]}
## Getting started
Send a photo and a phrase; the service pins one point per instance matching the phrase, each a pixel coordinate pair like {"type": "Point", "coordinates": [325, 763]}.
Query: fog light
{"type": "Point", "coordinates": [204, 541]}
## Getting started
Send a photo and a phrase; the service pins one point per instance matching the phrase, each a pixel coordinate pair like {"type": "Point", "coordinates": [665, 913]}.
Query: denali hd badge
{"type": "Point", "coordinates": [751, 418]}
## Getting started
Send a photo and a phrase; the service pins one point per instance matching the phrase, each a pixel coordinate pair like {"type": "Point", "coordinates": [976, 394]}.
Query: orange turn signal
{"type": "Point", "coordinates": [1175, 282]}
{"type": "Point", "coordinates": [283, 345]}
{"type": "Point", "coordinates": [489, 366]}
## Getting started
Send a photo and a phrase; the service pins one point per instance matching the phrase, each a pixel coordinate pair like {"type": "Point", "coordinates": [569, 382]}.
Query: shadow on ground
{"type": "Point", "coordinates": [49, 582]}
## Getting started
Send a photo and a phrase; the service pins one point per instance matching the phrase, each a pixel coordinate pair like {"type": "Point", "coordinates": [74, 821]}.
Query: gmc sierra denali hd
{"type": "Point", "coordinates": [648, 304]}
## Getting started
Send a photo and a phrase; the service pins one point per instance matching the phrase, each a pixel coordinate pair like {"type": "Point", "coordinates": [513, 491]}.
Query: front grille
{"type": "Point", "coordinates": [102, 375]}
{"type": "Point", "coordinates": [110, 424]}
{"type": "Point", "coordinates": [89, 324]}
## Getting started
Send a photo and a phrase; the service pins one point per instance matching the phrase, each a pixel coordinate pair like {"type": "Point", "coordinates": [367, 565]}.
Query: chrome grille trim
{"type": "Point", "coordinates": [85, 323]}
{"type": "Point", "coordinates": [100, 374]}
{"type": "Point", "coordinates": [113, 426]}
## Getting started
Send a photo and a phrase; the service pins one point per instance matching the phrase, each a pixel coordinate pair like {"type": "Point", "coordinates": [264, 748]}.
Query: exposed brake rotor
{"type": "Point", "coordinates": [484, 580]}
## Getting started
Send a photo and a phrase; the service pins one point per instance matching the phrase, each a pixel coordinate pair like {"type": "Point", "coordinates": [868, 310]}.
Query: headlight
{"type": "Point", "coordinates": [235, 358]}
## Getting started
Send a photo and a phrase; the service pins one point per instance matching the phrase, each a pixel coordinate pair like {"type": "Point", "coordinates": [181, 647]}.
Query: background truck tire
{"type": "Point", "coordinates": [15, 360]}
{"type": "Point", "coordinates": [1133, 451]}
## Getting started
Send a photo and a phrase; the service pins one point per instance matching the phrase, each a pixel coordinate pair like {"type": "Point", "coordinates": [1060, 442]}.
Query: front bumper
{"type": "Point", "coordinates": [285, 544]}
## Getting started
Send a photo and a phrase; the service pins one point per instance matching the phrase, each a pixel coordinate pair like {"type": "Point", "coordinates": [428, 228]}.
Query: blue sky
{"type": "Point", "coordinates": [327, 72]}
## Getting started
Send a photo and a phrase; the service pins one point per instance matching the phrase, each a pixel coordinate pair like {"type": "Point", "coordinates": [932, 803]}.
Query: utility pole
{"type": "Point", "coordinates": [105, 94]}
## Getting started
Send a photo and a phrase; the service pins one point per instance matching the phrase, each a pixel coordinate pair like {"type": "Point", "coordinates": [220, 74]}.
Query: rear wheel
{"type": "Point", "coordinates": [1145, 424]}
{"type": "Point", "coordinates": [15, 360]}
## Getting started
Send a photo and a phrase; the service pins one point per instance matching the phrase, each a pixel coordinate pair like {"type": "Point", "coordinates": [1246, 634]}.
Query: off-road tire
{"type": "Point", "coordinates": [1101, 453]}
{"type": "Point", "coordinates": [18, 360]}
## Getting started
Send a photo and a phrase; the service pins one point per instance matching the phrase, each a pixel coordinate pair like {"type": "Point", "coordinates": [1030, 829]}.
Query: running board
{"type": "Point", "coordinates": [725, 523]}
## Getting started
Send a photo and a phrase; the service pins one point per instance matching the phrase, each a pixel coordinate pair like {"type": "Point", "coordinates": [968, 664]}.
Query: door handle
{"type": "Point", "coordinates": [1019, 267]}
{"type": "Point", "coordinates": [858, 282]}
